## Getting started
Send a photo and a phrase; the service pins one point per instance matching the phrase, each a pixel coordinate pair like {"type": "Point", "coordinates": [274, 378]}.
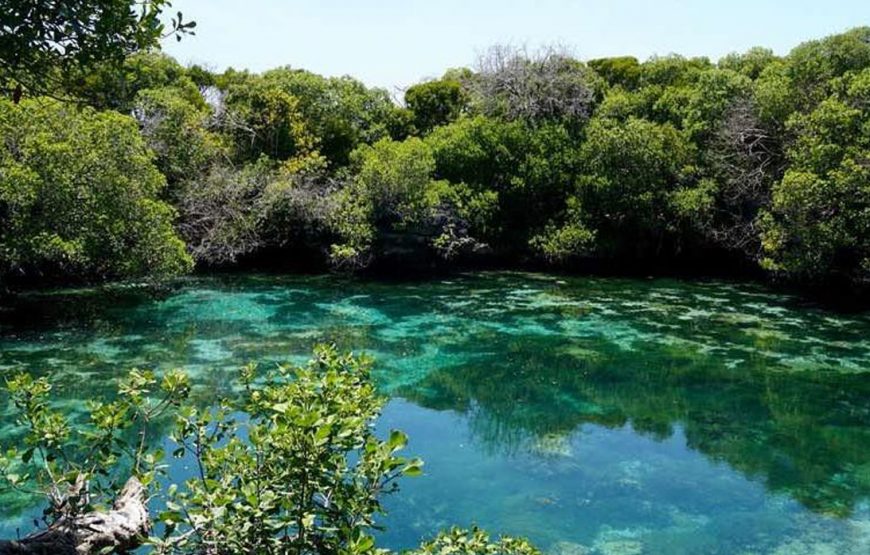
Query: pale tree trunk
{"type": "Point", "coordinates": [123, 528]}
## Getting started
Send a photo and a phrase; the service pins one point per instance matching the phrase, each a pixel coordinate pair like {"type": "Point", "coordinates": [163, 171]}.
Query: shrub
{"type": "Point", "coordinates": [79, 197]}
{"type": "Point", "coordinates": [291, 465]}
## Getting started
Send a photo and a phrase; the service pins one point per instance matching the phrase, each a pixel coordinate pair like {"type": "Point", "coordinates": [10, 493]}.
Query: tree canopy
{"type": "Point", "coordinates": [46, 43]}
{"type": "Point", "coordinates": [79, 197]}
{"type": "Point", "coordinates": [756, 161]}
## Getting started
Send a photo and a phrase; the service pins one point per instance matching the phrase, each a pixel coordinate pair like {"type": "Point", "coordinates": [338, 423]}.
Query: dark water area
{"type": "Point", "coordinates": [592, 415]}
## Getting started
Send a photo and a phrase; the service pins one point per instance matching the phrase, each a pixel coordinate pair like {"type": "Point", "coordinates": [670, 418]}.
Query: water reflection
{"type": "Point", "coordinates": [650, 407]}
{"type": "Point", "coordinates": [802, 435]}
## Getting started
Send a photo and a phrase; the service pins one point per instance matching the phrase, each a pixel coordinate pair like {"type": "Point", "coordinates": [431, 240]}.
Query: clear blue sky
{"type": "Point", "coordinates": [395, 43]}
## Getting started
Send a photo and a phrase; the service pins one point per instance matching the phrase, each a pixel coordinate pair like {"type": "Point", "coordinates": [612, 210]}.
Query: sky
{"type": "Point", "coordinates": [396, 43]}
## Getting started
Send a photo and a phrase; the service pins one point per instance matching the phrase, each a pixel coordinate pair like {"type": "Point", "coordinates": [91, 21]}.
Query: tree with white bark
{"type": "Point", "coordinates": [549, 84]}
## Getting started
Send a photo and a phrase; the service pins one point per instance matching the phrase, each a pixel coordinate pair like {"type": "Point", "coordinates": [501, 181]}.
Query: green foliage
{"type": "Point", "coordinates": [813, 65]}
{"type": "Point", "coordinates": [465, 217]}
{"type": "Point", "coordinates": [340, 111]}
{"type": "Point", "coordinates": [620, 104]}
{"type": "Point", "coordinates": [392, 178]}
{"type": "Point", "coordinates": [389, 191]}
{"type": "Point", "coordinates": [629, 171]}
{"type": "Point", "coordinates": [50, 41]}
{"type": "Point", "coordinates": [696, 202]}
{"type": "Point", "coordinates": [479, 151]}
{"type": "Point", "coordinates": [775, 94]}
{"type": "Point", "coordinates": [78, 197]}
{"type": "Point", "coordinates": [620, 202]}
{"type": "Point", "coordinates": [707, 103]}
{"type": "Point", "coordinates": [566, 240]}
{"type": "Point", "coordinates": [178, 133]}
{"type": "Point", "coordinates": [624, 71]}
{"type": "Point", "coordinates": [474, 542]}
{"type": "Point", "coordinates": [808, 75]}
{"type": "Point", "coordinates": [113, 86]}
{"type": "Point", "coordinates": [819, 219]}
{"type": "Point", "coordinates": [79, 465]}
{"type": "Point", "coordinates": [530, 170]}
{"type": "Point", "coordinates": [436, 103]}
{"type": "Point", "coordinates": [301, 472]}
{"type": "Point", "coordinates": [201, 77]}
{"type": "Point", "coordinates": [263, 119]}
{"type": "Point", "coordinates": [677, 159]}
{"type": "Point", "coordinates": [394, 195]}
{"type": "Point", "coordinates": [751, 63]}
{"type": "Point", "coordinates": [672, 71]}
{"type": "Point", "coordinates": [288, 465]}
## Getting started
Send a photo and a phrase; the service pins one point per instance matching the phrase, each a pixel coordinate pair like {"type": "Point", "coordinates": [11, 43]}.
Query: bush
{"type": "Point", "coordinates": [818, 223]}
{"type": "Point", "coordinates": [291, 465]}
{"type": "Point", "coordinates": [79, 197]}
{"type": "Point", "coordinates": [265, 120]}
{"type": "Point", "coordinates": [297, 211]}
{"type": "Point", "coordinates": [543, 86]}
{"type": "Point", "coordinates": [436, 103]}
{"type": "Point", "coordinates": [340, 111]}
{"type": "Point", "coordinates": [302, 472]}
{"type": "Point", "coordinates": [388, 192]}
{"type": "Point", "coordinates": [178, 133]}
{"type": "Point", "coordinates": [630, 171]}
{"type": "Point", "coordinates": [474, 542]}
{"type": "Point", "coordinates": [221, 214]}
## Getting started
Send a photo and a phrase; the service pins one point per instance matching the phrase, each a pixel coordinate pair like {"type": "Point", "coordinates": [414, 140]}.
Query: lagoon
{"type": "Point", "coordinates": [592, 415]}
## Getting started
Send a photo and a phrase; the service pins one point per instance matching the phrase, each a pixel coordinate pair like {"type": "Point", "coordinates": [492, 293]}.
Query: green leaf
{"type": "Point", "coordinates": [413, 469]}
{"type": "Point", "coordinates": [397, 440]}
{"type": "Point", "coordinates": [170, 517]}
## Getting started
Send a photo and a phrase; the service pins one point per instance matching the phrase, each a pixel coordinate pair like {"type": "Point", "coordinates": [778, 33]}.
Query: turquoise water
{"type": "Point", "coordinates": [594, 416]}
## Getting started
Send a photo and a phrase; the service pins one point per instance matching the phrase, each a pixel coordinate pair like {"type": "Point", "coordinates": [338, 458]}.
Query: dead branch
{"type": "Point", "coordinates": [123, 528]}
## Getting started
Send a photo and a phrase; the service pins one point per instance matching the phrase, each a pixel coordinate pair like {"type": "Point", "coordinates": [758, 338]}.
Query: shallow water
{"type": "Point", "coordinates": [591, 415]}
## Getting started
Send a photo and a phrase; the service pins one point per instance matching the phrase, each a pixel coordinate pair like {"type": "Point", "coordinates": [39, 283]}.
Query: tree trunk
{"type": "Point", "coordinates": [123, 529]}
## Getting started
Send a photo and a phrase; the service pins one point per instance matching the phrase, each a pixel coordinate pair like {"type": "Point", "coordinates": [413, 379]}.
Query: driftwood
{"type": "Point", "coordinates": [122, 529]}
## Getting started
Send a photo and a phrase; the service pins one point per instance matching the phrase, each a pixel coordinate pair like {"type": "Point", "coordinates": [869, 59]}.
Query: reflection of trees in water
{"type": "Point", "coordinates": [803, 434]}
{"type": "Point", "coordinates": [65, 326]}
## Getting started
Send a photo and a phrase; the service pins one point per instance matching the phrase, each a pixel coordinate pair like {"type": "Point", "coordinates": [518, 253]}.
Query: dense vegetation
{"type": "Point", "coordinates": [291, 466]}
{"type": "Point", "coordinates": [756, 161]}
{"type": "Point", "coordinates": [116, 162]}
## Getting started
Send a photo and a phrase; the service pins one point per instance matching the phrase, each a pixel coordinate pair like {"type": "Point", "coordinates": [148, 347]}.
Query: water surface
{"type": "Point", "coordinates": [605, 416]}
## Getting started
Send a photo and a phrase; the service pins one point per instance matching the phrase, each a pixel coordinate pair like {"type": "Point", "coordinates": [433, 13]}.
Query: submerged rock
{"type": "Point", "coordinates": [552, 445]}
{"type": "Point", "coordinates": [619, 542]}
{"type": "Point", "coordinates": [619, 547]}
{"type": "Point", "coordinates": [569, 548]}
